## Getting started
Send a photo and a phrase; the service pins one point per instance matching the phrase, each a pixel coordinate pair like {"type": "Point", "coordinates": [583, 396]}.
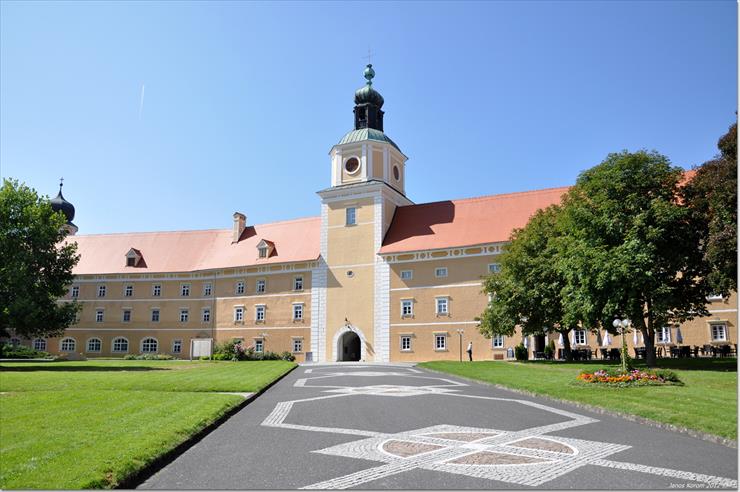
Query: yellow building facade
{"type": "Point", "coordinates": [374, 277]}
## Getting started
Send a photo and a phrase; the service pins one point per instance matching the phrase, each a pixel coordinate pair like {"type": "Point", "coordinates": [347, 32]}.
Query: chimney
{"type": "Point", "coordinates": [240, 222]}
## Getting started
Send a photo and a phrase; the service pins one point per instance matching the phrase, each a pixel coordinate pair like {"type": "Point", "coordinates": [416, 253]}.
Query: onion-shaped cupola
{"type": "Point", "coordinates": [60, 204]}
{"type": "Point", "coordinates": [368, 104]}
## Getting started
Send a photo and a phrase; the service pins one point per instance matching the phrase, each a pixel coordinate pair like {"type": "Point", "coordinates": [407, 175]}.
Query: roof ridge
{"type": "Point", "coordinates": [488, 197]}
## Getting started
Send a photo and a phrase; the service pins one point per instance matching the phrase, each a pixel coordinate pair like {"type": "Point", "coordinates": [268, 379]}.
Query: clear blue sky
{"type": "Point", "coordinates": [243, 101]}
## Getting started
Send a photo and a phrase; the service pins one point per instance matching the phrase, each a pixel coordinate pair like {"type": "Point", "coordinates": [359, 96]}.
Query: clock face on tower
{"type": "Point", "coordinates": [351, 165]}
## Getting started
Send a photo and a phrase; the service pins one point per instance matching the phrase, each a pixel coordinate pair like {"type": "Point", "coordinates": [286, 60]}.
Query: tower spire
{"type": "Point", "coordinates": [368, 103]}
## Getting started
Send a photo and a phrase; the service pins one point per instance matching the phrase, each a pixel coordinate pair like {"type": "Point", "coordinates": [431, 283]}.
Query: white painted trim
{"type": "Point", "coordinates": [197, 275]}
{"type": "Point", "coordinates": [87, 346]}
{"type": "Point", "coordinates": [435, 323]}
{"type": "Point", "coordinates": [357, 265]}
{"type": "Point", "coordinates": [337, 337]}
{"type": "Point", "coordinates": [723, 310]}
{"type": "Point", "coordinates": [142, 329]}
{"type": "Point", "coordinates": [475, 284]}
{"type": "Point", "coordinates": [427, 253]}
{"type": "Point", "coordinates": [263, 328]}
{"type": "Point", "coordinates": [141, 344]}
{"type": "Point", "coordinates": [112, 344]}
{"type": "Point", "coordinates": [342, 226]}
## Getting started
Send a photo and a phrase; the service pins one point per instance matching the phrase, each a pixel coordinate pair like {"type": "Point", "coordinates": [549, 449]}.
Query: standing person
{"type": "Point", "coordinates": [470, 351]}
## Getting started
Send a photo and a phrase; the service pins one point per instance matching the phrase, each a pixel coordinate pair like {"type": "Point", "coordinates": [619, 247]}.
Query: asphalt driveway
{"type": "Point", "coordinates": [378, 427]}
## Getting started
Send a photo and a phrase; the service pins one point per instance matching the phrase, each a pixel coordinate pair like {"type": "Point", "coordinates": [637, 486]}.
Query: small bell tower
{"type": "Point", "coordinates": [368, 102]}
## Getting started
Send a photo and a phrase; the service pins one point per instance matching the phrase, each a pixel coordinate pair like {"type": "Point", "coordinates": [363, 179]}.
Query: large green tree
{"type": "Point", "coordinates": [711, 195]}
{"type": "Point", "coordinates": [633, 246]}
{"type": "Point", "coordinates": [35, 265]}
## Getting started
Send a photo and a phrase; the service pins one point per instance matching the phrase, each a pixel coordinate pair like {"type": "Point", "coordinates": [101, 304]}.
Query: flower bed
{"type": "Point", "coordinates": [635, 377]}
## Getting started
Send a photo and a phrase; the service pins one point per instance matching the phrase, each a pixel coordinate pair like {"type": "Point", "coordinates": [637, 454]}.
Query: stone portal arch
{"type": "Point", "coordinates": [344, 338]}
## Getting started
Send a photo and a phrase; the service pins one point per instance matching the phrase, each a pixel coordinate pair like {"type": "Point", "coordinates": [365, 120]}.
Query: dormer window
{"type": "Point", "coordinates": [263, 252]}
{"type": "Point", "coordinates": [133, 257]}
{"type": "Point", "coordinates": [131, 261]}
{"type": "Point", "coordinates": [265, 249]}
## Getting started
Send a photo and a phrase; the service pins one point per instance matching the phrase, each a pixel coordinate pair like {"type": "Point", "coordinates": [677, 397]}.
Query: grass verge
{"type": "Point", "coordinates": [707, 402]}
{"type": "Point", "coordinates": [78, 425]}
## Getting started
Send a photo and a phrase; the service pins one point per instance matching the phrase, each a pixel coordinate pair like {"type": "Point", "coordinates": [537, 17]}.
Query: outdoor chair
{"type": "Point", "coordinates": [674, 352]}
{"type": "Point", "coordinates": [614, 354]}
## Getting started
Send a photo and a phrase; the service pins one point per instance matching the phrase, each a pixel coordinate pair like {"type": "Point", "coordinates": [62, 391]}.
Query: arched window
{"type": "Point", "coordinates": [39, 344]}
{"type": "Point", "coordinates": [149, 345]}
{"type": "Point", "coordinates": [15, 342]}
{"type": "Point", "coordinates": [120, 344]}
{"type": "Point", "coordinates": [94, 345]}
{"type": "Point", "coordinates": [67, 344]}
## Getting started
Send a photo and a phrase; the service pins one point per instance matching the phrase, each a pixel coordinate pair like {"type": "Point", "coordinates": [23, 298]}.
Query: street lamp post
{"type": "Point", "coordinates": [621, 325]}
{"type": "Point", "coordinates": [460, 332]}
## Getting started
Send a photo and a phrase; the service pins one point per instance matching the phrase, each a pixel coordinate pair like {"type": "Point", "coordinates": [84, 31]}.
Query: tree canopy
{"type": "Point", "coordinates": [36, 268]}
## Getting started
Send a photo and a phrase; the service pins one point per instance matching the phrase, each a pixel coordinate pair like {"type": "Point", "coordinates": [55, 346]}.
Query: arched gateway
{"type": "Point", "coordinates": [349, 345]}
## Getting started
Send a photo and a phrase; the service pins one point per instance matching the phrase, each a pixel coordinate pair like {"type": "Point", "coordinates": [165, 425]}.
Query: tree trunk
{"type": "Point", "coordinates": [566, 346]}
{"type": "Point", "coordinates": [648, 333]}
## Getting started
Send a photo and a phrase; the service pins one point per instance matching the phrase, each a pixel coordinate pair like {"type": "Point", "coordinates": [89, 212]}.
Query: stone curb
{"type": "Point", "coordinates": [143, 474]}
{"type": "Point", "coordinates": [627, 416]}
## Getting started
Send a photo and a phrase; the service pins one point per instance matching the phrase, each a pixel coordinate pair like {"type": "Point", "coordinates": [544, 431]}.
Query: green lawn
{"type": "Point", "coordinates": [707, 402]}
{"type": "Point", "coordinates": [76, 425]}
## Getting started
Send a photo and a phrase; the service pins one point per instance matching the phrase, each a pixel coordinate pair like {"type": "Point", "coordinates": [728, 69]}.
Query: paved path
{"type": "Point", "coordinates": [378, 427]}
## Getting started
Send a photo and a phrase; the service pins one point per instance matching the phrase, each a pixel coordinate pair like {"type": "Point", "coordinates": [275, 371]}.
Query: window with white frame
{"type": "Point", "coordinates": [440, 272]}
{"type": "Point", "coordinates": [298, 283]}
{"type": "Point", "coordinates": [664, 334]}
{"type": "Point", "coordinates": [75, 291]}
{"type": "Point", "coordinates": [259, 345]}
{"type": "Point", "coordinates": [155, 315]}
{"type": "Point", "coordinates": [185, 290]}
{"type": "Point", "coordinates": [407, 308]}
{"type": "Point", "coordinates": [67, 344]}
{"type": "Point", "coordinates": [405, 343]}
{"type": "Point", "coordinates": [149, 345]}
{"type": "Point", "coordinates": [99, 315]}
{"type": "Point", "coordinates": [207, 289]}
{"type": "Point", "coordinates": [579, 337]}
{"type": "Point", "coordinates": [351, 216]}
{"type": "Point", "coordinates": [297, 312]}
{"type": "Point", "coordinates": [126, 316]}
{"type": "Point", "coordinates": [101, 290]}
{"type": "Point", "coordinates": [719, 332]}
{"type": "Point", "coordinates": [176, 346]}
{"type": "Point", "coordinates": [259, 312]}
{"type": "Point", "coordinates": [494, 268]}
{"type": "Point", "coordinates": [261, 286]}
{"type": "Point", "coordinates": [94, 345]}
{"type": "Point", "coordinates": [184, 315]}
{"type": "Point", "coordinates": [120, 344]}
{"type": "Point", "coordinates": [239, 314]}
{"type": "Point", "coordinates": [497, 341]}
{"type": "Point", "coordinates": [39, 344]}
{"type": "Point", "coordinates": [297, 345]}
{"type": "Point", "coordinates": [239, 288]}
{"type": "Point", "coordinates": [156, 290]}
{"type": "Point", "coordinates": [407, 274]}
{"type": "Point", "coordinates": [262, 251]}
{"type": "Point", "coordinates": [128, 291]}
{"type": "Point", "coordinates": [440, 342]}
{"type": "Point", "coordinates": [443, 305]}
{"type": "Point", "coordinates": [206, 315]}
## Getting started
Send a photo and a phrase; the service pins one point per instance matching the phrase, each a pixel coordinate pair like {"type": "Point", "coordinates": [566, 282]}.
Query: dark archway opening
{"type": "Point", "coordinates": [350, 347]}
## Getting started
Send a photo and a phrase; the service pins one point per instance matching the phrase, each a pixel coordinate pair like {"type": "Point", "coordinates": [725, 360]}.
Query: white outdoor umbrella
{"type": "Point", "coordinates": [679, 337]}
{"type": "Point", "coordinates": [526, 342]}
{"type": "Point", "coordinates": [560, 340]}
{"type": "Point", "coordinates": [634, 337]}
{"type": "Point", "coordinates": [607, 339]}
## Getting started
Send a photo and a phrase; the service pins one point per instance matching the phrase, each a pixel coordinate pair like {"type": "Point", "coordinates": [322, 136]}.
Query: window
{"type": "Point", "coordinates": [406, 343]}
{"type": "Point", "coordinates": [75, 291]}
{"type": "Point", "coordinates": [443, 305]}
{"type": "Point", "coordinates": [297, 312]}
{"type": "Point", "coordinates": [579, 337]}
{"type": "Point", "coordinates": [101, 290]}
{"type": "Point", "coordinates": [120, 344]}
{"type": "Point", "coordinates": [440, 342]}
{"type": "Point", "coordinates": [206, 315]}
{"type": "Point", "coordinates": [126, 315]}
{"type": "Point", "coordinates": [352, 165]}
{"type": "Point", "coordinates": [498, 341]}
{"type": "Point", "coordinates": [239, 288]}
{"type": "Point", "coordinates": [128, 291]}
{"type": "Point", "coordinates": [155, 315]}
{"type": "Point", "coordinates": [351, 216]}
{"type": "Point", "coordinates": [184, 315]}
{"type": "Point", "coordinates": [99, 316]}
{"type": "Point", "coordinates": [297, 345]}
{"type": "Point", "coordinates": [664, 335]}
{"type": "Point", "coordinates": [407, 308]}
{"type": "Point", "coordinates": [262, 251]}
{"type": "Point", "coordinates": [298, 283]}
{"type": "Point", "coordinates": [207, 288]}
{"type": "Point", "coordinates": [407, 274]}
{"type": "Point", "coordinates": [440, 272]}
{"type": "Point", "coordinates": [719, 332]}
{"type": "Point", "coordinates": [261, 284]}
{"type": "Point", "coordinates": [131, 261]}
{"type": "Point", "coordinates": [94, 345]}
{"type": "Point", "coordinates": [494, 268]}
{"type": "Point", "coordinates": [185, 290]}
{"type": "Point", "coordinates": [176, 346]}
{"type": "Point", "coordinates": [238, 314]}
{"type": "Point", "coordinates": [156, 290]}
{"type": "Point", "coordinates": [15, 342]}
{"type": "Point", "coordinates": [149, 345]}
{"type": "Point", "coordinates": [39, 344]}
{"type": "Point", "coordinates": [67, 344]}
{"type": "Point", "coordinates": [259, 345]}
{"type": "Point", "coordinates": [259, 313]}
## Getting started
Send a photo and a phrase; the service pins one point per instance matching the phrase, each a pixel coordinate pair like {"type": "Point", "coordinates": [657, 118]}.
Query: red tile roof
{"type": "Point", "coordinates": [467, 222]}
{"type": "Point", "coordinates": [185, 251]}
